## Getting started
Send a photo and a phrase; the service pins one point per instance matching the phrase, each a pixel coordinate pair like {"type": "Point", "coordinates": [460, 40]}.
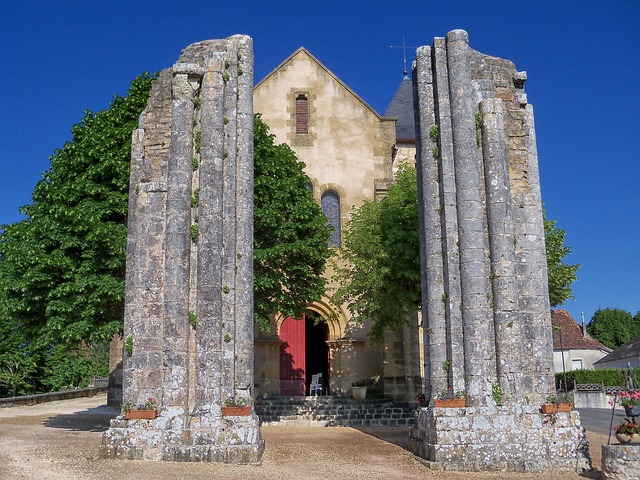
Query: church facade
{"type": "Point", "coordinates": [350, 152]}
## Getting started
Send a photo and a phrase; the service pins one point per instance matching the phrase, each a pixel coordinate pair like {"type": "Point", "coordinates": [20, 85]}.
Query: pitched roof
{"type": "Point", "coordinates": [631, 349]}
{"type": "Point", "coordinates": [573, 337]}
{"type": "Point", "coordinates": [303, 51]}
{"type": "Point", "coordinates": [401, 107]}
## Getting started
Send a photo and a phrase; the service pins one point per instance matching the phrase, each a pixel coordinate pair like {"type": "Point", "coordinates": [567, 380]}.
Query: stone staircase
{"type": "Point", "coordinates": [326, 411]}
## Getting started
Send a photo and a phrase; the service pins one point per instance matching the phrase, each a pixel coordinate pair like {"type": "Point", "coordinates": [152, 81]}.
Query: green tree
{"type": "Point", "coordinates": [65, 369]}
{"type": "Point", "coordinates": [613, 327]}
{"type": "Point", "coordinates": [290, 232]}
{"type": "Point", "coordinates": [378, 268]}
{"type": "Point", "coordinates": [66, 272]}
{"type": "Point", "coordinates": [62, 272]}
{"type": "Point", "coordinates": [561, 275]}
{"type": "Point", "coordinates": [18, 362]}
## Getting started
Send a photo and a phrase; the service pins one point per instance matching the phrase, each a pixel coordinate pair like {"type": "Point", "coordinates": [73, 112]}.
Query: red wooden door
{"type": "Point", "coordinates": [292, 357]}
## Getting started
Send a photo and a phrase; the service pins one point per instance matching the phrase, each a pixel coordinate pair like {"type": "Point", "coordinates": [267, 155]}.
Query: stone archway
{"type": "Point", "coordinates": [307, 347]}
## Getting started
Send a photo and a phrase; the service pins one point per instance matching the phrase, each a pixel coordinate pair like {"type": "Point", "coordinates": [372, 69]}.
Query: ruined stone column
{"type": "Point", "coordinates": [531, 256]}
{"type": "Point", "coordinates": [474, 271]}
{"type": "Point", "coordinates": [244, 373]}
{"type": "Point", "coordinates": [435, 330]}
{"type": "Point", "coordinates": [449, 222]}
{"type": "Point", "coordinates": [177, 249]}
{"type": "Point", "coordinates": [482, 251]}
{"type": "Point", "coordinates": [507, 322]}
{"type": "Point", "coordinates": [189, 287]}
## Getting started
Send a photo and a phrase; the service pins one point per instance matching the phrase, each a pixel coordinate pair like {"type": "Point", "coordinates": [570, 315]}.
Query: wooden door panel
{"type": "Point", "coordinates": [292, 357]}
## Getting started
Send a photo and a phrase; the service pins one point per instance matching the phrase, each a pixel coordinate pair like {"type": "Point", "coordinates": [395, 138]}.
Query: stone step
{"type": "Point", "coordinates": [333, 411]}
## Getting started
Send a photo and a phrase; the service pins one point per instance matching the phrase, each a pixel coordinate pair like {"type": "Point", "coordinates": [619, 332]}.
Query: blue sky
{"type": "Point", "coordinates": [582, 59]}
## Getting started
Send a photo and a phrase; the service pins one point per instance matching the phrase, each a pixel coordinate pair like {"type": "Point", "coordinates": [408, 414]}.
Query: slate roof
{"type": "Point", "coordinates": [401, 107]}
{"type": "Point", "coordinates": [631, 349]}
{"type": "Point", "coordinates": [572, 337]}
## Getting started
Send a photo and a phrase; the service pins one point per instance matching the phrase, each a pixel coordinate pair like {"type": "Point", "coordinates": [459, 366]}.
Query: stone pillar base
{"type": "Point", "coordinates": [508, 438]}
{"type": "Point", "coordinates": [206, 438]}
{"type": "Point", "coordinates": [621, 462]}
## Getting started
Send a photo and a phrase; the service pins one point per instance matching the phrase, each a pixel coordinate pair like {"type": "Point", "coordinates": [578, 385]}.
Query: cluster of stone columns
{"type": "Point", "coordinates": [485, 297]}
{"type": "Point", "coordinates": [188, 333]}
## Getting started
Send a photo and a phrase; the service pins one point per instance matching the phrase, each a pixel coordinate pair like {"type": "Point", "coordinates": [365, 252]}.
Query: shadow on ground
{"type": "Point", "coordinates": [395, 435]}
{"type": "Point", "coordinates": [91, 420]}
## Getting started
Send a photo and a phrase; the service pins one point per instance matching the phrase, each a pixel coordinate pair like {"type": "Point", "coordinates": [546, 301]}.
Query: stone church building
{"type": "Point", "coordinates": [350, 152]}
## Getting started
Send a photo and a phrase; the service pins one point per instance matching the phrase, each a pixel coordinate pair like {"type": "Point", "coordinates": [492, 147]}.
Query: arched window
{"type": "Point", "coordinates": [331, 208]}
{"type": "Point", "coordinates": [302, 114]}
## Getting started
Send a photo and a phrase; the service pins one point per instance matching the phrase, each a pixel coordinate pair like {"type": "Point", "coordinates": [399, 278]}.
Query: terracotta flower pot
{"type": "Point", "coordinates": [450, 402]}
{"type": "Point", "coordinates": [236, 411]}
{"type": "Point", "coordinates": [555, 407]}
{"type": "Point", "coordinates": [140, 414]}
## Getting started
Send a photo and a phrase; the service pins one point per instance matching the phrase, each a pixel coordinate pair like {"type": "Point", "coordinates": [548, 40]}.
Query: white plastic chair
{"type": "Point", "coordinates": [316, 384]}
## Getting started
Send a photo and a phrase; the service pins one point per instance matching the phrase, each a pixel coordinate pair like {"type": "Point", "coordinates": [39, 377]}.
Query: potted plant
{"type": "Point", "coordinates": [628, 431]}
{"type": "Point", "coordinates": [556, 404]}
{"type": "Point", "coordinates": [631, 402]}
{"type": "Point", "coordinates": [236, 407]}
{"type": "Point", "coordinates": [143, 411]}
{"type": "Point", "coordinates": [447, 399]}
{"type": "Point", "coordinates": [359, 389]}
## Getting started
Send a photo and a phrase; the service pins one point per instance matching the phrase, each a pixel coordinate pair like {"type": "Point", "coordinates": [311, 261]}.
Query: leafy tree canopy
{"type": "Point", "coordinates": [561, 275]}
{"type": "Point", "coordinates": [614, 327]}
{"type": "Point", "coordinates": [290, 232]}
{"type": "Point", "coordinates": [378, 270]}
{"type": "Point", "coordinates": [65, 262]}
{"type": "Point", "coordinates": [62, 272]}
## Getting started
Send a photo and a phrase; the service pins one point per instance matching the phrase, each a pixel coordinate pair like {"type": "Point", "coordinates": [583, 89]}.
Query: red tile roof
{"type": "Point", "coordinates": [572, 337]}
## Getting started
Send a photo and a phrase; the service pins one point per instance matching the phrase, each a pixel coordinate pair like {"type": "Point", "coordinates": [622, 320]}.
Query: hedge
{"type": "Point", "coordinates": [608, 376]}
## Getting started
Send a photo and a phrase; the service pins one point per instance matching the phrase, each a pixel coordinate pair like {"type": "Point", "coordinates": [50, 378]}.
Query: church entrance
{"type": "Point", "coordinates": [303, 353]}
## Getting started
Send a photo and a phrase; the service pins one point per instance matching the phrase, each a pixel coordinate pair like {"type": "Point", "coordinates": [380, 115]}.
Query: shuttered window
{"type": "Point", "coordinates": [302, 114]}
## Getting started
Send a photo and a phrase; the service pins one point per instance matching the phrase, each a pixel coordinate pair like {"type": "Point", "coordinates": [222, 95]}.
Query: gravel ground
{"type": "Point", "coordinates": [59, 440]}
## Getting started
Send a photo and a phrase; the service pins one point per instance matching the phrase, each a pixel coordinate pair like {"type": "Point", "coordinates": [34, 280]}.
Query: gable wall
{"type": "Point", "coordinates": [348, 146]}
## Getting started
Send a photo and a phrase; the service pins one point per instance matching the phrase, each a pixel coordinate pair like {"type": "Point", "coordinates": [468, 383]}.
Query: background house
{"type": "Point", "coordinates": [627, 355]}
{"type": "Point", "coordinates": [572, 345]}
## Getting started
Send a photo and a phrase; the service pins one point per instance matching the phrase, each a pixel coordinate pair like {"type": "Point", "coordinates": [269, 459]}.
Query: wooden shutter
{"type": "Point", "coordinates": [302, 114]}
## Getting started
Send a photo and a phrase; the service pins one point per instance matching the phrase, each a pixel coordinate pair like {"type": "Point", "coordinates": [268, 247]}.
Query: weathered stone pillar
{"type": "Point", "coordinates": [189, 287]}
{"type": "Point", "coordinates": [485, 295]}
{"type": "Point", "coordinates": [474, 271]}
{"type": "Point", "coordinates": [531, 257]}
{"type": "Point", "coordinates": [449, 222]}
{"type": "Point", "coordinates": [177, 249]}
{"type": "Point", "coordinates": [435, 331]}
{"type": "Point", "coordinates": [507, 322]}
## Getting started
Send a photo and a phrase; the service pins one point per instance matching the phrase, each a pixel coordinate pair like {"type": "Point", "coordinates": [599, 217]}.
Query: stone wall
{"type": "Point", "coordinates": [188, 332]}
{"type": "Point", "coordinates": [620, 462]}
{"type": "Point", "coordinates": [517, 438]}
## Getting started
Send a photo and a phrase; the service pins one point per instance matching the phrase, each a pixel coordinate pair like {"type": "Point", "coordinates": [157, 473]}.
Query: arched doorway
{"type": "Point", "coordinates": [303, 352]}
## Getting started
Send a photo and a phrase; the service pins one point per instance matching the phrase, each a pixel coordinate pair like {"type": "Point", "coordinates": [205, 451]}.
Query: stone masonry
{"type": "Point", "coordinates": [188, 331]}
{"type": "Point", "coordinates": [485, 302]}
